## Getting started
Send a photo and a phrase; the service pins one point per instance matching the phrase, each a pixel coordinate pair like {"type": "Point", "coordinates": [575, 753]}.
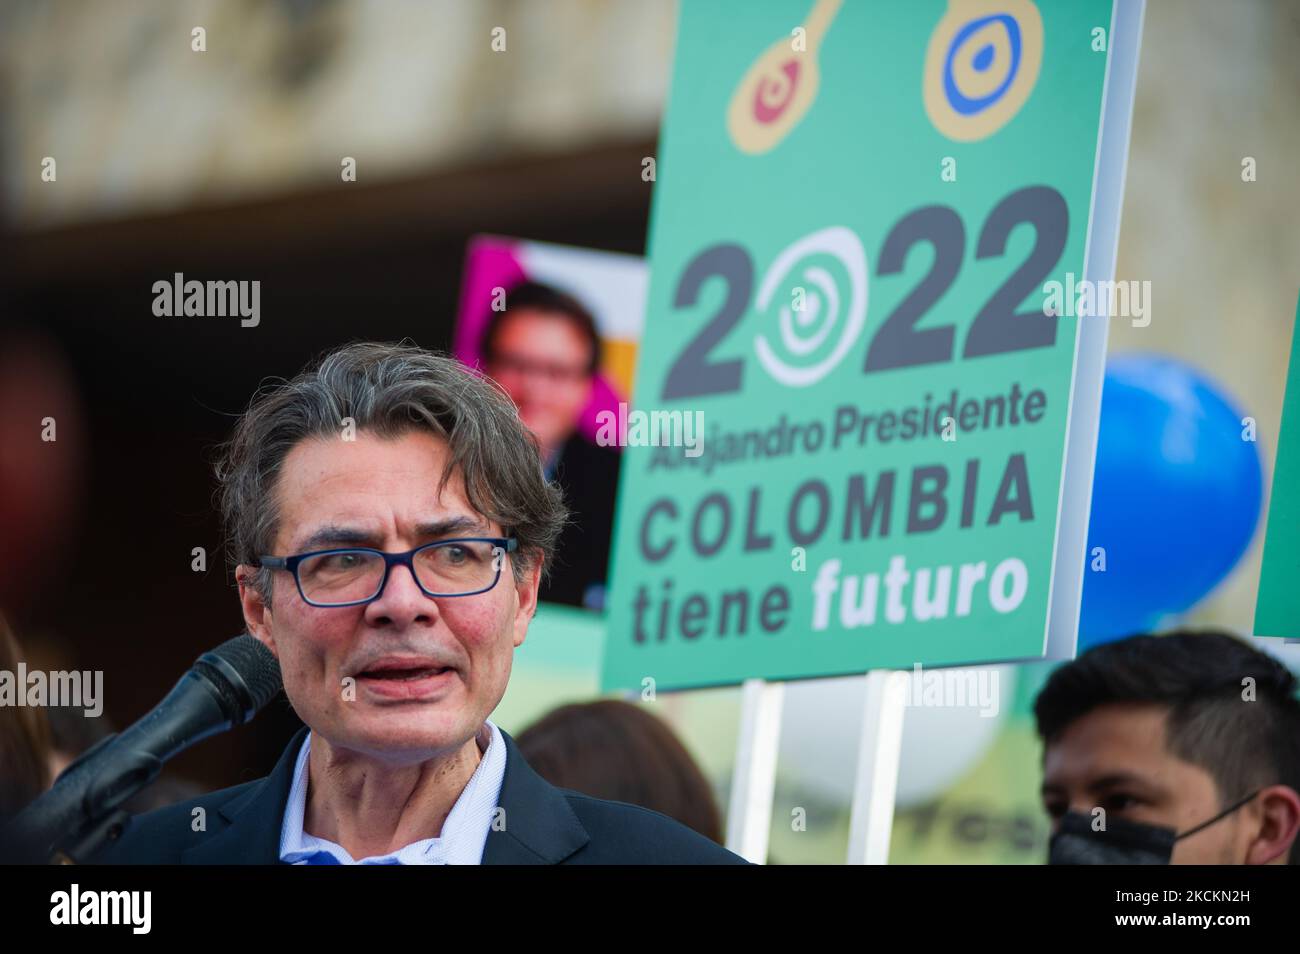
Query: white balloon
{"type": "Point", "coordinates": [822, 724]}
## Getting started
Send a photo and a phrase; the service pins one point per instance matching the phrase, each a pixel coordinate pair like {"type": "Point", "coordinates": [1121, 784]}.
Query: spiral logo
{"type": "Point", "coordinates": [826, 310]}
{"type": "Point", "coordinates": [981, 65]}
{"type": "Point", "coordinates": [780, 86]}
{"type": "Point", "coordinates": [775, 92]}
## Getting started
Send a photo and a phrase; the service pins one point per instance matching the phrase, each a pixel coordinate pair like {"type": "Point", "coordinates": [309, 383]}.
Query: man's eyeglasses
{"type": "Point", "coordinates": [352, 576]}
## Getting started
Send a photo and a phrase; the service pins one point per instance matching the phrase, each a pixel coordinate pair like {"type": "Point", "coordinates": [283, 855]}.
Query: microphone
{"type": "Point", "coordinates": [224, 688]}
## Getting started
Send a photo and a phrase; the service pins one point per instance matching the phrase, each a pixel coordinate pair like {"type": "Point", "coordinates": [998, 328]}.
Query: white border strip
{"type": "Point", "coordinates": [1100, 252]}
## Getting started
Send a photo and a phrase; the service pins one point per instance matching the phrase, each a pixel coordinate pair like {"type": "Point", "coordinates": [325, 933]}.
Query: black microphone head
{"type": "Point", "coordinates": [245, 673]}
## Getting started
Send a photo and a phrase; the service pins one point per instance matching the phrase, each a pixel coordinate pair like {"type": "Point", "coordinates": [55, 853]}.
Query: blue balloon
{"type": "Point", "coordinates": [1175, 498]}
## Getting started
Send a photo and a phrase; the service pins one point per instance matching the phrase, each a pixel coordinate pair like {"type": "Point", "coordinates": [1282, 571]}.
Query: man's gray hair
{"type": "Point", "coordinates": [389, 389]}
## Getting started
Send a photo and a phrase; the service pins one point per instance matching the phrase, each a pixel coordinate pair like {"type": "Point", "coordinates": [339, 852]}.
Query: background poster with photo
{"type": "Point", "coordinates": [611, 285]}
{"type": "Point", "coordinates": [538, 364]}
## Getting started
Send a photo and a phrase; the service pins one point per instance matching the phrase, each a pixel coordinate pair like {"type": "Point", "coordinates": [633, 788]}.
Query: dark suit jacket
{"type": "Point", "coordinates": [543, 825]}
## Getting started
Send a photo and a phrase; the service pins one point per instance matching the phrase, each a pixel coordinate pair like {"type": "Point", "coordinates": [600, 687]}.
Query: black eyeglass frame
{"type": "Point", "coordinates": [406, 559]}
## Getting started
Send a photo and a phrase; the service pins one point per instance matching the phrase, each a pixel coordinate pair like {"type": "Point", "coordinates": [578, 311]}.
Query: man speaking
{"type": "Point", "coordinates": [389, 522]}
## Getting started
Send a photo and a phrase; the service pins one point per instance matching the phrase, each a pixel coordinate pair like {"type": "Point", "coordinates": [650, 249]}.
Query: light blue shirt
{"type": "Point", "coordinates": [461, 841]}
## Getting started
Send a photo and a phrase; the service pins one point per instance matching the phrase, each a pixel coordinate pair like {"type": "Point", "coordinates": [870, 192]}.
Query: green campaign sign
{"type": "Point", "coordinates": [857, 440]}
{"type": "Point", "coordinates": [1277, 607]}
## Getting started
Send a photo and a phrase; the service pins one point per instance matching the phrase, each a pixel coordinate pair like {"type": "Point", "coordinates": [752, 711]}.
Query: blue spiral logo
{"type": "Point", "coordinates": [981, 65]}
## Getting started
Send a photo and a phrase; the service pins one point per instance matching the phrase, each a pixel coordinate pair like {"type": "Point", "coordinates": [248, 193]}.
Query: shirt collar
{"type": "Point", "coordinates": [463, 834]}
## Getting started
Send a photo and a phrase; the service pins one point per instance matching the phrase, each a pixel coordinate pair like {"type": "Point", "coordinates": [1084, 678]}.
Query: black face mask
{"type": "Point", "coordinates": [1122, 842]}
